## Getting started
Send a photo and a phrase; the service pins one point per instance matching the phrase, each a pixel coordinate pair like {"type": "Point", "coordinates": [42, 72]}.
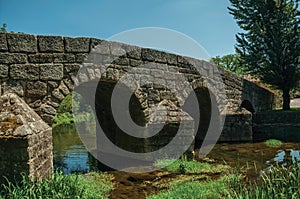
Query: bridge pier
{"type": "Point", "coordinates": [25, 141]}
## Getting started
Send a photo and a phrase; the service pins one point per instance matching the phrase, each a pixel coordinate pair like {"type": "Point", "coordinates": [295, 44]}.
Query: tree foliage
{"type": "Point", "coordinates": [230, 62]}
{"type": "Point", "coordinates": [270, 41]}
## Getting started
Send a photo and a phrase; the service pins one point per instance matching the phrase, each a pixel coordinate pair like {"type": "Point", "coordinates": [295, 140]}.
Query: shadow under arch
{"type": "Point", "coordinates": [202, 114]}
{"type": "Point", "coordinates": [248, 106]}
{"type": "Point", "coordinates": [107, 124]}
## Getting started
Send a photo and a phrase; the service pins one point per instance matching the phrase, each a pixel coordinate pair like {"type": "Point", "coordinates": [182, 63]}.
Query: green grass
{"type": "Point", "coordinates": [59, 186]}
{"type": "Point", "coordinates": [192, 190]}
{"type": "Point", "coordinates": [281, 182]}
{"type": "Point", "coordinates": [273, 143]}
{"type": "Point", "coordinates": [184, 166]}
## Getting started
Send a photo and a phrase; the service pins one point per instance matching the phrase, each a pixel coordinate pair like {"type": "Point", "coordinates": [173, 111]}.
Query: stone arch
{"type": "Point", "coordinates": [203, 115]}
{"type": "Point", "coordinates": [106, 119]}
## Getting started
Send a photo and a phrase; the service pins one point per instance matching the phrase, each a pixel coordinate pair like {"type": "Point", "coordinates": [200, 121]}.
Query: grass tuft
{"type": "Point", "coordinates": [273, 143]}
{"type": "Point", "coordinates": [189, 190]}
{"type": "Point", "coordinates": [192, 166]}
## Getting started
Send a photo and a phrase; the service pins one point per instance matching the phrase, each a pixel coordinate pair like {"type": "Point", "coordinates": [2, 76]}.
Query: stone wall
{"type": "Point", "coordinates": [25, 141]}
{"type": "Point", "coordinates": [282, 125]}
{"type": "Point", "coordinates": [43, 70]}
{"type": "Point", "coordinates": [260, 98]}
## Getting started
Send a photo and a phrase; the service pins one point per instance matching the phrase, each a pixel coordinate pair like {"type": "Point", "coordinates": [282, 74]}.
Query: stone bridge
{"type": "Point", "coordinates": [43, 70]}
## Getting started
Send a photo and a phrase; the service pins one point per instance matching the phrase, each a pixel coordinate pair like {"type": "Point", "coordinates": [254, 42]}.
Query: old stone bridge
{"type": "Point", "coordinates": [43, 70]}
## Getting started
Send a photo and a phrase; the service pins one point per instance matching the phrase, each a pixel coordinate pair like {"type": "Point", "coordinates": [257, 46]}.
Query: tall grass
{"type": "Point", "coordinates": [280, 182]}
{"type": "Point", "coordinates": [59, 186]}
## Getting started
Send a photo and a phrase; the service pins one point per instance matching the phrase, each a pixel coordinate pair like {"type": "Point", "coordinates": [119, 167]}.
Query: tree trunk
{"type": "Point", "coordinates": [286, 99]}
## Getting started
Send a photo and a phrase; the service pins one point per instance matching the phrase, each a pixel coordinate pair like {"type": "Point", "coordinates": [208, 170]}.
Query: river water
{"type": "Point", "coordinates": [70, 155]}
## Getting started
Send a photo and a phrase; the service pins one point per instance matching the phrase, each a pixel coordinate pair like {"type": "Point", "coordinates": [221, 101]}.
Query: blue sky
{"type": "Point", "coordinates": [206, 21]}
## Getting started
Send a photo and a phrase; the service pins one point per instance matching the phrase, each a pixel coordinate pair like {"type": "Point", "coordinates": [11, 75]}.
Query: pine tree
{"type": "Point", "coordinates": [270, 41]}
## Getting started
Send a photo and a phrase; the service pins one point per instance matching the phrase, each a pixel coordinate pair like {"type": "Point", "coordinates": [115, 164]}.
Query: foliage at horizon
{"type": "Point", "coordinates": [230, 62]}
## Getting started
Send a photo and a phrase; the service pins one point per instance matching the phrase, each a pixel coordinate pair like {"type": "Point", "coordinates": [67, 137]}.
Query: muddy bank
{"type": "Point", "coordinates": [245, 156]}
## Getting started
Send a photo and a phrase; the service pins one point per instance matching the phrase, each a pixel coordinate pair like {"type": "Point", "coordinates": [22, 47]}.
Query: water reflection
{"type": "Point", "coordinates": [284, 156]}
{"type": "Point", "coordinates": [255, 156]}
{"type": "Point", "coordinates": [70, 155]}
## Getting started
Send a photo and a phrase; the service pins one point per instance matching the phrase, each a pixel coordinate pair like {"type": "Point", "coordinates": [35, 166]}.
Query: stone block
{"type": "Point", "coordinates": [64, 58]}
{"type": "Point", "coordinates": [81, 57]}
{"type": "Point", "coordinates": [16, 58]}
{"type": "Point", "coordinates": [171, 58]}
{"type": "Point", "coordinates": [51, 71]}
{"type": "Point", "coordinates": [70, 68]}
{"type": "Point", "coordinates": [121, 61]}
{"type": "Point", "coordinates": [134, 52]}
{"type": "Point", "coordinates": [58, 95]}
{"type": "Point", "coordinates": [48, 109]}
{"type": "Point", "coordinates": [3, 71]}
{"type": "Point", "coordinates": [3, 42]}
{"type": "Point", "coordinates": [13, 86]}
{"type": "Point", "coordinates": [63, 88]}
{"type": "Point", "coordinates": [36, 89]}
{"type": "Point", "coordinates": [77, 45]}
{"type": "Point", "coordinates": [22, 43]}
{"type": "Point", "coordinates": [24, 72]}
{"type": "Point", "coordinates": [100, 46]}
{"type": "Point", "coordinates": [153, 55]}
{"type": "Point", "coordinates": [117, 49]}
{"type": "Point", "coordinates": [50, 44]}
{"type": "Point", "coordinates": [40, 58]}
{"type": "Point", "coordinates": [135, 63]}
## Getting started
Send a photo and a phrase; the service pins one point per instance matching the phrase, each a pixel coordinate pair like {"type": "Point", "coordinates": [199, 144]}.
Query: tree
{"type": "Point", "coordinates": [230, 62]}
{"type": "Point", "coordinates": [270, 41]}
{"type": "Point", "coordinates": [3, 28]}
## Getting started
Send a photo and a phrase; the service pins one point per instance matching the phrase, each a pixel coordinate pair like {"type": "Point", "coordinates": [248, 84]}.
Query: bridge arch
{"type": "Point", "coordinates": [248, 106]}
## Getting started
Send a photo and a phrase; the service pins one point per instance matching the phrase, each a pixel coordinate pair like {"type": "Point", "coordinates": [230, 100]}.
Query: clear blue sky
{"type": "Point", "coordinates": [206, 21]}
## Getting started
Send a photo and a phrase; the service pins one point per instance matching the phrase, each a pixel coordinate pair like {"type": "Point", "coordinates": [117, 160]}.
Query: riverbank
{"type": "Point", "coordinates": [182, 179]}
